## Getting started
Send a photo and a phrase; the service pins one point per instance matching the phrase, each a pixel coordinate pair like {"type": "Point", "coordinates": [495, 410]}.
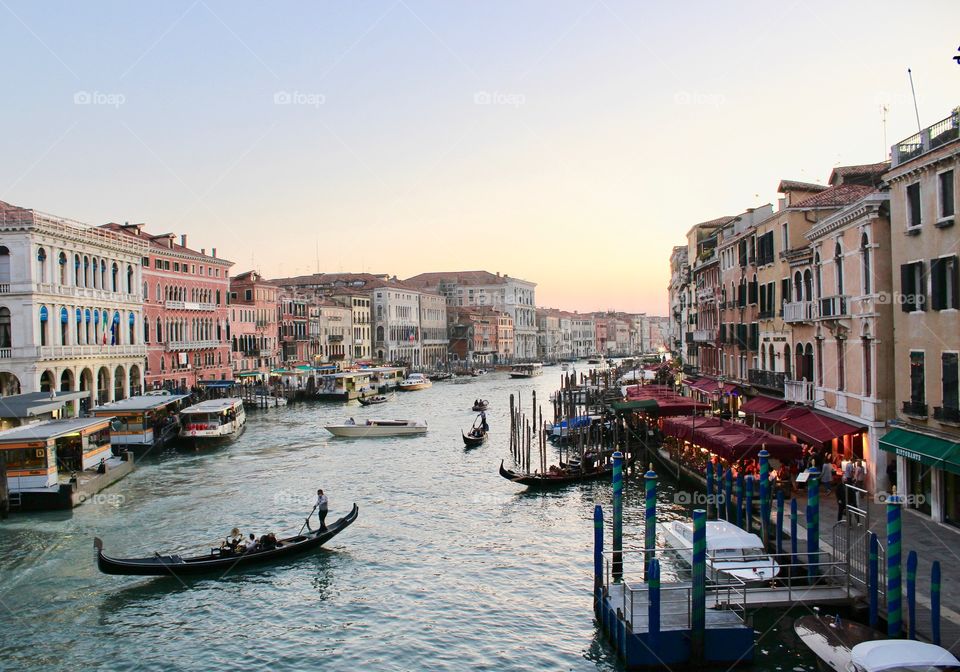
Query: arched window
{"type": "Point", "coordinates": [131, 328]}
{"type": "Point", "coordinates": [114, 277]}
{"type": "Point", "coordinates": [867, 366]}
{"type": "Point", "coordinates": [865, 258]}
{"type": "Point", "coordinates": [163, 366]}
{"type": "Point", "coordinates": [43, 325]}
{"type": "Point", "coordinates": [129, 279]}
{"type": "Point", "coordinates": [103, 274]}
{"type": "Point", "coordinates": [146, 331]}
{"type": "Point", "coordinates": [95, 283]}
{"type": "Point", "coordinates": [5, 331]}
{"type": "Point", "coordinates": [158, 294]}
{"type": "Point", "coordinates": [838, 262]}
{"type": "Point", "coordinates": [41, 265]}
{"type": "Point", "coordinates": [78, 318]}
{"type": "Point", "coordinates": [77, 271]}
{"type": "Point", "coordinates": [808, 284]}
{"type": "Point", "coordinates": [159, 331]}
{"type": "Point", "coordinates": [786, 359]}
{"type": "Point", "coordinates": [64, 327]}
{"type": "Point", "coordinates": [4, 264]}
{"type": "Point", "coordinates": [146, 291]}
{"type": "Point", "coordinates": [62, 262]}
{"type": "Point", "coordinates": [88, 273]}
{"type": "Point", "coordinates": [798, 287]}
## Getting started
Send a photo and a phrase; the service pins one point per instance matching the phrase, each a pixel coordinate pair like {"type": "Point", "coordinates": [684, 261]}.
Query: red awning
{"type": "Point", "coordinates": [730, 440]}
{"type": "Point", "coordinates": [780, 414]}
{"type": "Point", "coordinates": [816, 428]}
{"type": "Point", "coordinates": [711, 386]}
{"type": "Point", "coordinates": [762, 404]}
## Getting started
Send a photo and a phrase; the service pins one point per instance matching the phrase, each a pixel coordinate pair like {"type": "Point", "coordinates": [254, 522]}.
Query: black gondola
{"type": "Point", "coordinates": [375, 399]}
{"type": "Point", "coordinates": [548, 481]}
{"type": "Point", "coordinates": [175, 565]}
{"type": "Point", "coordinates": [475, 437]}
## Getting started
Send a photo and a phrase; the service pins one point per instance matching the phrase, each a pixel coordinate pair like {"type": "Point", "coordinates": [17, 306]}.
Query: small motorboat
{"type": "Point", "coordinates": [480, 405]}
{"type": "Point", "coordinates": [222, 560]}
{"type": "Point", "coordinates": [376, 399]}
{"type": "Point", "coordinates": [832, 639]}
{"type": "Point", "coordinates": [378, 428]}
{"type": "Point", "coordinates": [731, 551]}
{"type": "Point", "coordinates": [415, 381]}
{"type": "Point", "coordinates": [556, 476]}
{"type": "Point", "coordinates": [477, 372]}
{"type": "Point", "coordinates": [526, 370]}
{"type": "Point", "coordinates": [441, 375]}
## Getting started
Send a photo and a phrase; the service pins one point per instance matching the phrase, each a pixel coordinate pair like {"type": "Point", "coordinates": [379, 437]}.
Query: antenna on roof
{"type": "Point", "coordinates": [883, 120]}
{"type": "Point", "coordinates": [912, 91]}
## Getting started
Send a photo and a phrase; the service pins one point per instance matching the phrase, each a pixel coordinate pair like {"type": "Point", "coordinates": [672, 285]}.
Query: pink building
{"type": "Point", "coordinates": [185, 311]}
{"type": "Point", "coordinates": [256, 346]}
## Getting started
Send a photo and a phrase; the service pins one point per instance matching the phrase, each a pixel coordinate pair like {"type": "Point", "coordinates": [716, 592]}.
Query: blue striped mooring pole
{"type": "Point", "coordinates": [935, 602]}
{"type": "Point", "coordinates": [698, 609]}
{"type": "Point", "coordinates": [764, 456]}
{"type": "Point", "coordinates": [779, 522]}
{"type": "Point", "coordinates": [912, 594]}
{"type": "Point", "coordinates": [650, 516]}
{"type": "Point", "coordinates": [617, 516]}
{"type": "Point", "coordinates": [728, 496]}
{"type": "Point", "coordinates": [597, 548]}
{"type": "Point", "coordinates": [740, 490]}
{"type": "Point", "coordinates": [813, 520]}
{"type": "Point", "coordinates": [709, 487]}
{"type": "Point", "coordinates": [653, 605]}
{"type": "Point", "coordinates": [894, 587]}
{"type": "Point", "coordinates": [793, 531]}
{"type": "Point", "coordinates": [748, 508]}
{"type": "Point", "coordinates": [873, 587]}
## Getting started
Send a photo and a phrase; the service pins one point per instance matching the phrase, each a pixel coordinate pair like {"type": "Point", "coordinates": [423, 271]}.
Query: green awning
{"type": "Point", "coordinates": [928, 450]}
{"type": "Point", "coordinates": [635, 405]}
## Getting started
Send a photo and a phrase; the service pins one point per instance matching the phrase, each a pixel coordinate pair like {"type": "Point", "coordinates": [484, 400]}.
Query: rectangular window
{"type": "Point", "coordinates": [867, 368]}
{"type": "Point", "coordinates": [950, 380]}
{"type": "Point", "coordinates": [176, 266]}
{"type": "Point", "coordinates": [784, 236]}
{"type": "Point", "coordinates": [146, 262]}
{"type": "Point", "coordinates": [918, 393]}
{"type": "Point", "coordinates": [943, 283]}
{"type": "Point", "coordinates": [913, 205]}
{"type": "Point", "coordinates": [947, 203]}
{"type": "Point", "coordinates": [914, 295]}
{"type": "Point", "coordinates": [248, 295]}
{"type": "Point", "coordinates": [841, 368]}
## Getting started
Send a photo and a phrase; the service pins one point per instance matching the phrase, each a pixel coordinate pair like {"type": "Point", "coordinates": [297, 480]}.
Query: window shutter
{"type": "Point", "coordinates": [906, 287]}
{"type": "Point", "coordinates": [920, 289]}
{"type": "Point", "coordinates": [752, 293]}
{"type": "Point", "coordinates": [937, 284]}
{"type": "Point", "coordinates": [954, 280]}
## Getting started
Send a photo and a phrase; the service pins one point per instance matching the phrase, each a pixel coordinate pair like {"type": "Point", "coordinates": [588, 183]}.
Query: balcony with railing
{"type": "Point", "coordinates": [73, 351]}
{"type": "Point", "coordinates": [834, 307]}
{"type": "Point", "coordinates": [926, 140]}
{"type": "Point", "coordinates": [771, 380]}
{"type": "Point", "coordinates": [706, 294]}
{"type": "Point", "coordinates": [915, 409]}
{"type": "Point", "coordinates": [704, 335]}
{"type": "Point", "coordinates": [798, 391]}
{"type": "Point", "coordinates": [799, 311]}
{"type": "Point", "coordinates": [335, 338]}
{"type": "Point", "coordinates": [189, 305]}
{"type": "Point", "coordinates": [949, 414]}
{"type": "Point", "coordinates": [191, 345]}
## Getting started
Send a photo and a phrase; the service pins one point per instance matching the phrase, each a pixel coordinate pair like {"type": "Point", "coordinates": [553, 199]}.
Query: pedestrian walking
{"type": "Point", "coordinates": [841, 500]}
{"type": "Point", "coordinates": [826, 479]}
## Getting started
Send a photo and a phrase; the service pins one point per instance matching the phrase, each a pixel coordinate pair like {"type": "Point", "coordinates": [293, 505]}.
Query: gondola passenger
{"type": "Point", "coordinates": [251, 544]}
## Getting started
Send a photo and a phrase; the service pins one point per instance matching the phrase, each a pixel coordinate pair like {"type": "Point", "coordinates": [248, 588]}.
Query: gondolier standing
{"type": "Point", "coordinates": [321, 507]}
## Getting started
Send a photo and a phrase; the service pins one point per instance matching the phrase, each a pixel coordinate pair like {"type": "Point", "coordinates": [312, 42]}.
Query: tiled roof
{"type": "Point", "coordinates": [719, 221]}
{"type": "Point", "coordinates": [458, 277]}
{"type": "Point", "coordinates": [872, 172]}
{"type": "Point", "coordinates": [794, 185]}
{"type": "Point", "coordinates": [136, 231]}
{"type": "Point", "coordinates": [840, 195]}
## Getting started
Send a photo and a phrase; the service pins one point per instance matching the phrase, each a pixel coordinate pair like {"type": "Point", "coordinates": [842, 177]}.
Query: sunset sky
{"type": "Point", "coordinates": [568, 143]}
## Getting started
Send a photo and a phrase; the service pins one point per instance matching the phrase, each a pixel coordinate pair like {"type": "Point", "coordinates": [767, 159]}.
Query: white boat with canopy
{"type": "Point", "coordinates": [376, 428]}
{"type": "Point", "coordinates": [731, 551]}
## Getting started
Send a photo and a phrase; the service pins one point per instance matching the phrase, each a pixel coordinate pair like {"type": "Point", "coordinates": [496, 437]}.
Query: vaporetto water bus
{"type": "Point", "coordinates": [213, 419]}
{"type": "Point", "coordinates": [528, 370]}
{"type": "Point", "coordinates": [142, 421]}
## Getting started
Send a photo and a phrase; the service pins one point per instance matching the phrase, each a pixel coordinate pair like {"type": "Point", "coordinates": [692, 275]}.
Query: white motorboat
{"type": "Point", "coordinates": [900, 654]}
{"type": "Point", "coordinates": [377, 428]}
{"type": "Point", "coordinates": [731, 551]}
{"type": "Point", "coordinates": [415, 381]}
{"type": "Point", "coordinates": [213, 419]}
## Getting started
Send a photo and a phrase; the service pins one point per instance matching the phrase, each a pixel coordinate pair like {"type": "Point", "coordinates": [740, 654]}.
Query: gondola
{"type": "Point", "coordinates": [482, 405]}
{"type": "Point", "coordinates": [214, 561]}
{"type": "Point", "coordinates": [547, 481]}
{"type": "Point", "coordinates": [472, 440]}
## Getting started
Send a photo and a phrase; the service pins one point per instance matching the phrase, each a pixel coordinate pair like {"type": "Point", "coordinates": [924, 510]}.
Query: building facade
{"type": "Point", "coordinates": [71, 307]}
{"type": "Point", "coordinates": [924, 237]}
{"type": "Point", "coordinates": [259, 299]}
{"type": "Point", "coordinates": [186, 318]}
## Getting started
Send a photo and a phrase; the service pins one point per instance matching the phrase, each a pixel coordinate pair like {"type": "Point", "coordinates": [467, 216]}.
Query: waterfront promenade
{"type": "Point", "coordinates": [931, 541]}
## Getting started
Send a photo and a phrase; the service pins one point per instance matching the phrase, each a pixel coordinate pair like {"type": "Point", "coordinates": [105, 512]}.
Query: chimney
{"type": "Point", "coordinates": [170, 241]}
{"type": "Point", "coordinates": [183, 240]}
{"type": "Point", "coordinates": [213, 252]}
{"type": "Point", "coordinates": [203, 250]}
{"type": "Point", "coordinates": [782, 203]}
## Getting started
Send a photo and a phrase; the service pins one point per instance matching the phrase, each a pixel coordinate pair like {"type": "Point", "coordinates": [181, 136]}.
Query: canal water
{"type": "Point", "coordinates": [449, 566]}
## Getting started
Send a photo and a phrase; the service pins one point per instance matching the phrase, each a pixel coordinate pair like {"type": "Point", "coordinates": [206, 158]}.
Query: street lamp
{"type": "Point", "coordinates": [721, 384]}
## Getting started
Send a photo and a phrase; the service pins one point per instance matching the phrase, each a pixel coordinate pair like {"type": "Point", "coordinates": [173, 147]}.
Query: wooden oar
{"type": "Point", "coordinates": [307, 521]}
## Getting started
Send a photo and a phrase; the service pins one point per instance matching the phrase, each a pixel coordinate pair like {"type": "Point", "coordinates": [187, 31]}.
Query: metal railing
{"type": "Point", "coordinates": [946, 413]}
{"type": "Point", "coordinates": [917, 409]}
{"type": "Point", "coordinates": [926, 140]}
{"type": "Point", "coordinates": [833, 307]}
{"type": "Point", "coordinates": [773, 380]}
{"type": "Point", "coordinates": [191, 345]}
